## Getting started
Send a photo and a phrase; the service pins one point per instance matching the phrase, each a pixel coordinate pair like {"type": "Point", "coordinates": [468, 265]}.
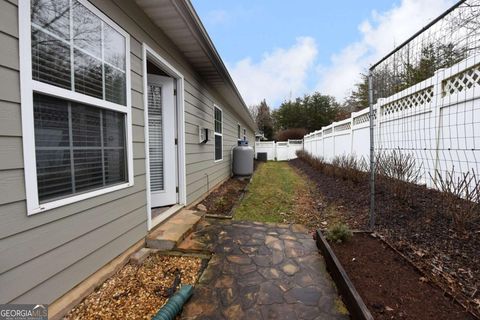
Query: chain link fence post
{"type": "Point", "coordinates": [371, 220]}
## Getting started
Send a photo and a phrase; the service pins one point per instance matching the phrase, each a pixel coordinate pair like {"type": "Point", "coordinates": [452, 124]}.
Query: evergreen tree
{"type": "Point", "coordinates": [310, 112]}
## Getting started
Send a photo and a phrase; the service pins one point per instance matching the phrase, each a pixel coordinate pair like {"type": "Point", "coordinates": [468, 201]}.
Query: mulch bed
{"type": "Point", "coordinates": [138, 292]}
{"type": "Point", "coordinates": [391, 287]}
{"type": "Point", "coordinates": [221, 201]}
{"type": "Point", "coordinates": [418, 227]}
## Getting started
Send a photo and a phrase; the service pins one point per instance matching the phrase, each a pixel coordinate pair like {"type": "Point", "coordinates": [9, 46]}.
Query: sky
{"type": "Point", "coordinates": [277, 49]}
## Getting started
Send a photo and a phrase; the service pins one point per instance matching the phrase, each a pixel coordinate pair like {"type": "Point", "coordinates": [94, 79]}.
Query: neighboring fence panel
{"type": "Point", "coordinates": [280, 151]}
{"type": "Point", "coordinates": [350, 136]}
{"type": "Point", "coordinates": [293, 147]}
{"type": "Point", "coordinates": [265, 146]}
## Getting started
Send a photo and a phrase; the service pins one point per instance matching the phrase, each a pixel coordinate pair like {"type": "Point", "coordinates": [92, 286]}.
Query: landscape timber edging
{"type": "Point", "coordinates": [235, 206]}
{"type": "Point", "coordinates": [353, 301]}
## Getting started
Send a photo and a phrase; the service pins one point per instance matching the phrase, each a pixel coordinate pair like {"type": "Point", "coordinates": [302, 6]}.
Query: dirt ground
{"type": "Point", "coordinates": [417, 227]}
{"type": "Point", "coordinates": [223, 199]}
{"type": "Point", "coordinates": [390, 287]}
{"type": "Point", "coordinates": [138, 292]}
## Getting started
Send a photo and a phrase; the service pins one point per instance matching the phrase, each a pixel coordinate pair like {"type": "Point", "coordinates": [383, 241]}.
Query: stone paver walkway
{"type": "Point", "coordinates": [260, 271]}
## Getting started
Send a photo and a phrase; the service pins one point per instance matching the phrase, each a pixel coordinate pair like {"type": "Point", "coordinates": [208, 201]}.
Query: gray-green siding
{"type": "Point", "coordinates": [46, 254]}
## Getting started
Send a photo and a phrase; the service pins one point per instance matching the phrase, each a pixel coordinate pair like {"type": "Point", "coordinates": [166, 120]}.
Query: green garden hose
{"type": "Point", "coordinates": [175, 304]}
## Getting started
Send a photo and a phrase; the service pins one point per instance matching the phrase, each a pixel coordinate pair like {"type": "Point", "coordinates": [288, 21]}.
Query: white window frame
{"type": "Point", "coordinates": [244, 134]}
{"type": "Point", "coordinates": [239, 131]}
{"type": "Point", "coordinates": [28, 86]}
{"type": "Point", "coordinates": [216, 133]}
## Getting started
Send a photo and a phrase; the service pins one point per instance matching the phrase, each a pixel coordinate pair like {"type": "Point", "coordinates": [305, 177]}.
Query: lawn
{"type": "Point", "coordinates": [272, 195]}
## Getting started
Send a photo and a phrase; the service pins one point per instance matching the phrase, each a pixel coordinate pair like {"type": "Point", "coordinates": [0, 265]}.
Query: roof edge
{"type": "Point", "coordinates": [214, 55]}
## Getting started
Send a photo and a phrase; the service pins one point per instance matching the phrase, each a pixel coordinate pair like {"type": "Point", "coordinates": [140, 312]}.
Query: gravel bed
{"type": "Point", "coordinates": [138, 292]}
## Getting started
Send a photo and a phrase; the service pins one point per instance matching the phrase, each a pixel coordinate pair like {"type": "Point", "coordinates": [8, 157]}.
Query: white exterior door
{"type": "Point", "coordinates": [161, 144]}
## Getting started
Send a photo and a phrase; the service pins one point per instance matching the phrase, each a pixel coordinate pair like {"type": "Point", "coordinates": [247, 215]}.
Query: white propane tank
{"type": "Point", "coordinates": [242, 159]}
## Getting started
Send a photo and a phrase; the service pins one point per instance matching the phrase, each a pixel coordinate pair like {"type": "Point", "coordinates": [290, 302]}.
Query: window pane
{"type": "Point", "coordinates": [86, 126]}
{"type": "Point", "coordinates": [113, 129]}
{"type": "Point", "coordinates": [218, 147]}
{"type": "Point", "coordinates": [51, 142]}
{"type": "Point", "coordinates": [52, 15]}
{"type": "Point", "coordinates": [115, 85]}
{"type": "Point", "coordinates": [218, 120]}
{"type": "Point", "coordinates": [88, 169]}
{"type": "Point", "coordinates": [113, 47]}
{"type": "Point", "coordinates": [99, 51]}
{"type": "Point", "coordinates": [69, 135]}
{"type": "Point", "coordinates": [51, 122]}
{"type": "Point", "coordinates": [88, 75]}
{"type": "Point", "coordinates": [54, 176]}
{"type": "Point", "coordinates": [115, 168]}
{"type": "Point", "coordinates": [50, 60]}
{"type": "Point", "coordinates": [87, 30]}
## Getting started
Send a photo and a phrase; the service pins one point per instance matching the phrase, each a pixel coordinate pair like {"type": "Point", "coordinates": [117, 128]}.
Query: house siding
{"type": "Point", "coordinates": [47, 254]}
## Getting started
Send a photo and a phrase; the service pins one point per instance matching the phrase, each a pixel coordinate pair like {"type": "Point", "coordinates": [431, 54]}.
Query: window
{"type": "Point", "coordinates": [245, 134]}
{"type": "Point", "coordinates": [239, 136]}
{"type": "Point", "coordinates": [218, 120]}
{"type": "Point", "coordinates": [75, 96]}
{"type": "Point", "coordinates": [74, 49]}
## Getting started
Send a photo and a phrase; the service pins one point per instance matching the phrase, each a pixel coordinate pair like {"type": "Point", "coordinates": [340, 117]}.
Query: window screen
{"type": "Point", "coordinates": [78, 147]}
{"type": "Point", "coordinates": [218, 134]}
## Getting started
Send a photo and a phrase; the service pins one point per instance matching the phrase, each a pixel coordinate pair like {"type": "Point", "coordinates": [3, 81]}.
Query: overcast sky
{"type": "Point", "coordinates": [277, 49]}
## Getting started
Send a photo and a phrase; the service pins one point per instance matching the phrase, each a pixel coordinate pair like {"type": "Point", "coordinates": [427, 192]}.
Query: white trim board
{"type": "Point", "coordinates": [149, 53]}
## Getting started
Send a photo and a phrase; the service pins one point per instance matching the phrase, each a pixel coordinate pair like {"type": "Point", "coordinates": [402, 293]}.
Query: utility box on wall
{"type": "Point", "coordinates": [203, 135]}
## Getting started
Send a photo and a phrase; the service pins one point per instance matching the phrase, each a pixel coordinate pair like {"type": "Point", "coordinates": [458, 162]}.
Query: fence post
{"type": "Point", "coordinates": [288, 149]}
{"type": "Point", "coordinates": [333, 139]}
{"type": "Point", "coordinates": [371, 221]}
{"type": "Point", "coordinates": [323, 143]}
{"type": "Point", "coordinates": [275, 150]}
{"type": "Point", "coordinates": [352, 116]}
{"type": "Point", "coordinates": [437, 117]}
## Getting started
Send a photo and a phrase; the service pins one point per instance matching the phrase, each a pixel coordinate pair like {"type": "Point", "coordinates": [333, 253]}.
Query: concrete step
{"type": "Point", "coordinates": [174, 230]}
{"type": "Point", "coordinates": [198, 241]}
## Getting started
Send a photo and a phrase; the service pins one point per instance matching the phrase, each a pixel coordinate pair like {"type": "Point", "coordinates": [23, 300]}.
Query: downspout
{"type": "Point", "coordinates": [208, 182]}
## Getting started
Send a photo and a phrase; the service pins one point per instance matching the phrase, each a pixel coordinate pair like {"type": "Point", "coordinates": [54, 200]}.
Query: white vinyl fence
{"type": "Point", "coordinates": [349, 136]}
{"type": "Point", "coordinates": [437, 121]}
{"type": "Point", "coordinates": [280, 151]}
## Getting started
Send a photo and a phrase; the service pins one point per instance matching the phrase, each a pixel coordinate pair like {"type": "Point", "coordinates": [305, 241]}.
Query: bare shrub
{"type": "Point", "coordinates": [316, 162]}
{"type": "Point", "coordinates": [349, 167]}
{"type": "Point", "coordinates": [399, 166]}
{"type": "Point", "coordinates": [462, 195]}
{"type": "Point", "coordinates": [397, 171]}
